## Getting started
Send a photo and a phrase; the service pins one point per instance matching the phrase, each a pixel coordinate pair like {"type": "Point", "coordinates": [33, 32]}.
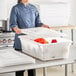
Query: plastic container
{"type": "Point", "coordinates": [48, 51]}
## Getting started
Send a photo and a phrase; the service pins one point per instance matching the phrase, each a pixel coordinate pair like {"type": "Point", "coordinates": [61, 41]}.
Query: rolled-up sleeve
{"type": "Point", "coordinates": [13, 18]}
{"type": "Point", "coordinates": [38, 22]}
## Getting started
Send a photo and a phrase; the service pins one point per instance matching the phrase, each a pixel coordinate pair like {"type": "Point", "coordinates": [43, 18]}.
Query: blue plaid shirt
{"type": "Point", "coordinates": [24, 17]}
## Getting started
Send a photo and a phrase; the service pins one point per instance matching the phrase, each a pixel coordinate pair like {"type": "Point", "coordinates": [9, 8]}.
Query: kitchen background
{"type": "Point", "coordinates": [52, 12]}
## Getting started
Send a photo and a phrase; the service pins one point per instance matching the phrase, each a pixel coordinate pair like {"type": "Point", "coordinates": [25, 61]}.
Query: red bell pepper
{"type": "Point", "coordinates": [54, 41]}
{"type": "Point", "coordinates": [41, 40]}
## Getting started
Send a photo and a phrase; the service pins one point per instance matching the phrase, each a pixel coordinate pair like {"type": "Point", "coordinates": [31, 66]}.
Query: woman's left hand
{"type": "Point", "coordinates": [46, 26]}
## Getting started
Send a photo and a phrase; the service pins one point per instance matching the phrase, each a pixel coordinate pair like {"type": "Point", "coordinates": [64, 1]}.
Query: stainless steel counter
{"type": "Point", "coordinates": [41, 64]}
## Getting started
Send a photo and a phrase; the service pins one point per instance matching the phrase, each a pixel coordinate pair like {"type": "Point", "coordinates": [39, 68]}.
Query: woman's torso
{"type": "Point", "coordinates": [25, 19]}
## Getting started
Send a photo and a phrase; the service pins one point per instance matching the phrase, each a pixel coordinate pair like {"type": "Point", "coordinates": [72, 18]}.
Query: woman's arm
{"type": "Point", "coordinates": [13, 21]}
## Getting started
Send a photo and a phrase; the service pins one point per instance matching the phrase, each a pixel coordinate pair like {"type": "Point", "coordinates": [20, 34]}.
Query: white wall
{"type": "Point", "coordinates": [73, 12]}
{"type": "Point", "coordinates": [72, 5]}
{"type": "Point", "coordinates": [46, 1]}
{"type": "Point", "coordinates": [3, 10]}
{"type": "Point", "coordinates": [10, 4]}
{"type": "Point", "coordinates": [55, 14]}
{"type": "Point", "coordinates": [5, 7]}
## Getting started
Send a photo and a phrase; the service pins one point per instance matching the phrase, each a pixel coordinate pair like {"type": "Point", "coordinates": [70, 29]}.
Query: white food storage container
{"type": "Point", "coordinates": [48, 51]}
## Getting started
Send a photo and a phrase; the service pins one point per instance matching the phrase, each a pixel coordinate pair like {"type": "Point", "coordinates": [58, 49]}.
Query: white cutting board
{"type": "Point", "coordinates": [9, 57]}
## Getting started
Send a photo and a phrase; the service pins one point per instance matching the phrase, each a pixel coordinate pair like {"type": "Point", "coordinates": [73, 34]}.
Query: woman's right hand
{"type": "Point", "coordinates": [17, 30]}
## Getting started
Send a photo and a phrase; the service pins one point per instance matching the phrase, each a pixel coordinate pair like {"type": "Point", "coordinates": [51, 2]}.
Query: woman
{"type": "Point", "coordinates": [24, 15]}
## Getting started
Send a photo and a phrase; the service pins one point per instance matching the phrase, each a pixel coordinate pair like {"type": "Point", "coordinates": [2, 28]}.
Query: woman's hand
{"type": "Point", "coordinates": [17, 30]}
{"type": "Point", "coordinates": [46, 26]}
